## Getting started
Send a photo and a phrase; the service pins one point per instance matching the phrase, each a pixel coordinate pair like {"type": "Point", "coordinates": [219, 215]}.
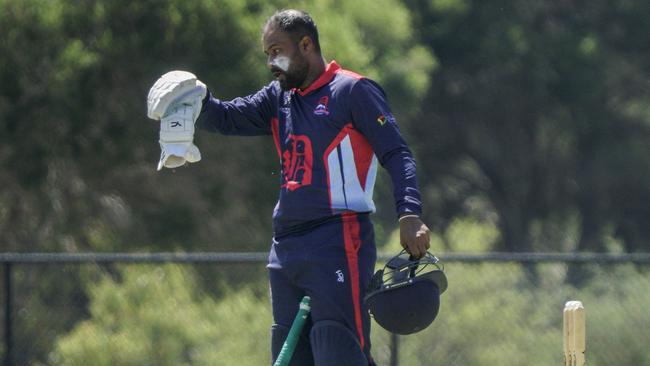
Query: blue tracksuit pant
{"type": "Point", "coordinates": [333, 264]}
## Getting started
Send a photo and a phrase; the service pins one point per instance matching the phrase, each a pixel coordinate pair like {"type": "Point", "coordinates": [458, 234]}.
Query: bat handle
{"type": "Point", "coordinates": [289, 345]}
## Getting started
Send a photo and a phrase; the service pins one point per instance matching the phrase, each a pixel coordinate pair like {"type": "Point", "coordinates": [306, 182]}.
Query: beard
{"type": "Point", "coordinates": [295, 75]}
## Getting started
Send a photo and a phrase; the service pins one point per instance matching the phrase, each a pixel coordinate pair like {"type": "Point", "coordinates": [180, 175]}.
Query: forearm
{"type": "Point", "coordinates": [401, 167]}
{"type": "Point", "coordinates": [240, 116]}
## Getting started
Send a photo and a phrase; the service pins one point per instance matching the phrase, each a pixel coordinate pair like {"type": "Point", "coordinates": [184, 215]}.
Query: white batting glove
{"type": "Point", "coordinates": [176, 99]}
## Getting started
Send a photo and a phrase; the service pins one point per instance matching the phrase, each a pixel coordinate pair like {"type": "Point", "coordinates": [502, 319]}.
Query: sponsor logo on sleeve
{"type": "Point", "coordinates": [383, 118]}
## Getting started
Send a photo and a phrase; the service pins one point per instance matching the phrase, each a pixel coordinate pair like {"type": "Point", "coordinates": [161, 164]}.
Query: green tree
{"type": "Point", "coordinates": [537, 112]}
{"type": "Point", "coordinates": [156, 316]}
{"type": "Point", "coordinates": [78, 155]}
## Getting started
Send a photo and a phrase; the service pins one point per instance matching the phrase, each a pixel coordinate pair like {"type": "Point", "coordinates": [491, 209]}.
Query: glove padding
{"type": "Point", "coordinates": [177, 136]}
{"type": "Point", "coordinates": [176, 100]}
{"type": "Point", "coordinates": [173, 87]}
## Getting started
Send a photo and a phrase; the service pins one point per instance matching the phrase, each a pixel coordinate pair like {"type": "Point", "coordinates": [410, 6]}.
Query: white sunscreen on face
{"type": "Point", "coordinates": [281, 62]}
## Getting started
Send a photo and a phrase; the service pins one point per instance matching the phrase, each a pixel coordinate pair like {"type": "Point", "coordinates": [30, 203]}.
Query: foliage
{"type": "Point", "coordinates": [528, 119]}
{"type": "Point", "coordinates": [491, 314]}
{"type": "Point", "coordinates": [80, 155]}
{"type": "Point", "coordinates": [156, 316]}
{"type": "Point", "coordinates": [498, 314]}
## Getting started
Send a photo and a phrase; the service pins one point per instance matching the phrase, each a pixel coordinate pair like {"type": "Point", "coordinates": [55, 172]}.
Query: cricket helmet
{"type": "Point", "coordinates": [404, 296]}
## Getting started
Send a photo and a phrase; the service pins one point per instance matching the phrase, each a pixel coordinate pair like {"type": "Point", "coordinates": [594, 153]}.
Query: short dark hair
{"type": "Point", "coordinates": [295, 22]}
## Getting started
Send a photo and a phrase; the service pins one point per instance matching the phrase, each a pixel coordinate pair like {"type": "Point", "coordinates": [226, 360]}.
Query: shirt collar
{"type": "Point", "coordinates": [330, 70]}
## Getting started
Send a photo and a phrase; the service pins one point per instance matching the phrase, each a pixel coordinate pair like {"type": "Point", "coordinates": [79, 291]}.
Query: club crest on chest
{"type": "Point", "coordinates": [321, 108]}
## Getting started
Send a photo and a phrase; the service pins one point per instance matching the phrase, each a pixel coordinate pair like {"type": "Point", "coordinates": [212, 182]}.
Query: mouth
{"type": "Point", "coordinates": [277, 74]}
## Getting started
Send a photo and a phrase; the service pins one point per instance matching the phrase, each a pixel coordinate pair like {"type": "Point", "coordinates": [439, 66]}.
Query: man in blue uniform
{"type": "Point", "coordinates": [331, 128]}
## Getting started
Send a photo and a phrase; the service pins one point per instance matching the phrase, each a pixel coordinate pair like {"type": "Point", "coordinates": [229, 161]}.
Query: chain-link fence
{"type": "Point", "coordinates": [213, 309]}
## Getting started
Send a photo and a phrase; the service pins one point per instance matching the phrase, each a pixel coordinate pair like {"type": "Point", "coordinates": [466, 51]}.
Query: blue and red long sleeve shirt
{"type": "Point", "coordinates": [330, 138]}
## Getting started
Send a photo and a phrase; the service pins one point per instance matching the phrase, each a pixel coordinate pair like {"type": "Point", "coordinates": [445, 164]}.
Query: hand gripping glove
{"type": "Point", "coordinates": [176, 99]}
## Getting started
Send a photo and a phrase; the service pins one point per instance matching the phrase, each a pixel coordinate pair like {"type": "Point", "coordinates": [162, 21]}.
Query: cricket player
{"type": "Point", "coordinates": [331, 128]}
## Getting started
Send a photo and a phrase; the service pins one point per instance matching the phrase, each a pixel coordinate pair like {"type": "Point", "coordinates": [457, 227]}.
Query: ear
{"type": "Point", "coordinates": [306, 44]}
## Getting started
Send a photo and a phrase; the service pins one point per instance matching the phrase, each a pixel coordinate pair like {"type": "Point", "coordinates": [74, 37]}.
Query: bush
{"type": "Point", "coordinates": [156, 316]}
{"type": "Point", "coordinates": [492, 314]}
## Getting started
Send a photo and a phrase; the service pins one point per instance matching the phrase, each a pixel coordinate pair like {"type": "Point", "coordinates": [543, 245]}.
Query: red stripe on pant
{"type": "Point", "coordinates": [352, 241]}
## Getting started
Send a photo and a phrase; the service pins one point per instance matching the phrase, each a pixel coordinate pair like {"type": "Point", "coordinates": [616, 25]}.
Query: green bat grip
{"type": "Point", "coordinates": [294, 333]}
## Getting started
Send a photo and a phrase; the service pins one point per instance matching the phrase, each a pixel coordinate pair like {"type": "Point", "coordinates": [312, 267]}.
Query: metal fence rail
{"type": "Point", "coordinates": [253, 257]}
{"type": "Point", "coordinates": [11, 260]}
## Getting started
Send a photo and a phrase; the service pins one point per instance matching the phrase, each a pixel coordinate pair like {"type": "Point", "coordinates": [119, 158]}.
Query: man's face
{"type": "Point", "coordinates": [285, 58]}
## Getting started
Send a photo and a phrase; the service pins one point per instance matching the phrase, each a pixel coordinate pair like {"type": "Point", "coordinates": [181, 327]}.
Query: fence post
{"type": "Point", "coordinates": [8, 361]}
{"type": "Point", "coordinates": [394, 348]}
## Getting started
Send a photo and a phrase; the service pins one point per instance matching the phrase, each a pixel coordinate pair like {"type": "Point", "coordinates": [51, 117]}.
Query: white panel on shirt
{"type": "Point", "coordinates": [346, 192]}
